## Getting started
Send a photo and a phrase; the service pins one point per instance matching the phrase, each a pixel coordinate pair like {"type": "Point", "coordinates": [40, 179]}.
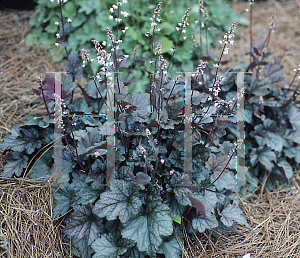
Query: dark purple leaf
{"type": "Point", "coordinates": [224, 62]}
{"type": "Point", "coordinates": [74, 66]}
{"type": "Point", "coordinates": [282, 172]}
{"type": "Point", "coordinates": [206, 58]}
{"type": "Point", "coordinates": [85, 95]}
{"type": "Point", "coordinates": [153, 123]}
{"type": "Point", "coordinates": [49, 86]}
{"type": "Point", "coordinates": [256, 51]}
{"type": "Point", "coordinates": [198, 205]}
{"type": "Point", "coordinates": [252, 65]}
{"type": "Point", "coordinates": [37, 92]}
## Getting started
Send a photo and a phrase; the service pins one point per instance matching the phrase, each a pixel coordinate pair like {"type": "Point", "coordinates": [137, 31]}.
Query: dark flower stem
{"type": "Point", "coordinates": [206, 185]}
{"type": "Point", "coordinates": [44, 100]}
{"type": "Point", "coordinates": [62, 24]}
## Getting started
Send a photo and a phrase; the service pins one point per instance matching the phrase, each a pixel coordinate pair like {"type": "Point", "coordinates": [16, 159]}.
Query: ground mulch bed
{"type": "Point", "coordinates": [274, 215]}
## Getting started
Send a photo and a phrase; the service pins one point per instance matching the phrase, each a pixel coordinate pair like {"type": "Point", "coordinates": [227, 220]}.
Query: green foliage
{"type": "Point", "coordinates": [90, 19]}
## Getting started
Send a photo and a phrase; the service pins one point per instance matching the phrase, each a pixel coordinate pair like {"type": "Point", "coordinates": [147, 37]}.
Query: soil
{"type": "Point", "coordinates": [284, 40]}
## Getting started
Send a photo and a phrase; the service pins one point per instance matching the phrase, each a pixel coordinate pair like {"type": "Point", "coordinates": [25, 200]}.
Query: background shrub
{"type": "Point", "coordinates": [90, 19]}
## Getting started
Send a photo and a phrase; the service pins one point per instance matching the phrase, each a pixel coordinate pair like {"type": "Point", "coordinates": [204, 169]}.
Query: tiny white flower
{"type": "Point", "coordinates": [125, 14]}
{"type": "Point", "coordinates": [231, 42]}
{"type": "Point", "coordinates": [184, 38]}
{"type": "Point", "coordinates": [153, 24]}
{"type": "Point", "coordinates": [56, 23]}
{"type": "Point", "coordinates": [69, 20]}
{"type": "Point", "coordinates": [110, 17]}
{"type": "Point", "coordinates": [183, 31]}
{"type": "Point", "coordinates": [158, 29]}
{"type": "Point", "coordinates": [57, 35]}
{"type": "Point", "coordinates": [111, 10]}
{"type": "Point", "coordinates": [220, 41]}
{"type": "Point", "coordinates": [96, 154]}
{"type": "Point", "coordinates": [158, 19]}
{"type": "Point", "coordinates": [177, 28]}
{"type": "Point", "coordinates": [57, 44]}
{"type": "Point", "coordinates": [148, 132]}
{"type": "Point", "coordinates": [115, 7]}
{"type": "Point", "coordinates": [216, 65]}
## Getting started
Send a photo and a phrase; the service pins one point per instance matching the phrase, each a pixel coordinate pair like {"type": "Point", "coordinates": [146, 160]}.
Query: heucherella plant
{"type": "Point", "coordinates": [180, 124]}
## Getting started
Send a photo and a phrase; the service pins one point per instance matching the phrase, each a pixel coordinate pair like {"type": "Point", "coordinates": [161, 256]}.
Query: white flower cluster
{"type": "Point", "coordinates": [59, 103]}
{"type": "Point", "coordinates": [228, 36]}
{"type": "Point", "coordinates": [142, 150]}
{"type": "Point", "coordinates": [201, 67]}
{"type": "Point", "coordinates": [59, 1]}
{"type": "Point", "coordinates": [154, 19]}
{"type": "Point", "coordinates": [216, 88]}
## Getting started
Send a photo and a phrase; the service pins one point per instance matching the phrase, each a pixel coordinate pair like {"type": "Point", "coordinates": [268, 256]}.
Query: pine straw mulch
{"type": "Point", "coordinates": [275, 214]}
{"type": "Point", "coordinates": [27, 228]}
{"type": "Point", "coordinates": [20, 65]}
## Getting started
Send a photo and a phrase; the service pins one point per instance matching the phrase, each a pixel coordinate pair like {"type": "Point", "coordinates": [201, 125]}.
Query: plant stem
{"type": "Point", "coordinates": [206, 186]}
{"type": "Point", "coordinates": [62, 24]}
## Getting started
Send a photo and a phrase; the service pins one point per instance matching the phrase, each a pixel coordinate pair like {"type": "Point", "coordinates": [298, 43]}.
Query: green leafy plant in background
{"type": "Point", "coordinates": [90, 19]}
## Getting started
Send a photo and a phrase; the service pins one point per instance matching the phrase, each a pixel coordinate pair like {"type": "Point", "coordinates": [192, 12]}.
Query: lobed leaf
{"type": "Point", "coordinates": [148, 228]}
{"type": "Point", "coordinates": [84, 224]}
{"type": "Point", "coordinates": [122, 200]}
